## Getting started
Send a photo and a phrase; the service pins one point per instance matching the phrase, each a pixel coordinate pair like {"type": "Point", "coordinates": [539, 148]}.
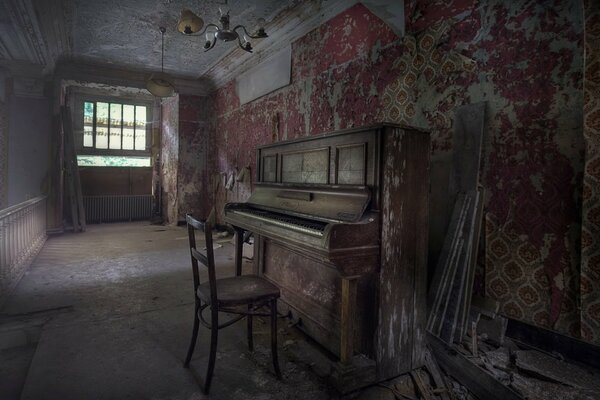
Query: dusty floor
{"type": "Point", "coordinates": [107, 314]}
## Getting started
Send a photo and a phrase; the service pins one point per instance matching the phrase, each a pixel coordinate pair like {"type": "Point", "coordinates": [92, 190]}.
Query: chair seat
{"type": "Point", "coordinates": [239, 290]}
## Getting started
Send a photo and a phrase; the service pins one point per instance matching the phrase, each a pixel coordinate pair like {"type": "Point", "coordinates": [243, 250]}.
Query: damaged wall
{"type": "Point", "coordinates": [184, 162]}
{"type": "Point", "coordinates": [169, 157]}
{"type": "Point", "coordinates": [590, 234]}
{"type": "Point", "coordinates": [193, 134]}
{"type": "Point", "coordinates": [524, 58]}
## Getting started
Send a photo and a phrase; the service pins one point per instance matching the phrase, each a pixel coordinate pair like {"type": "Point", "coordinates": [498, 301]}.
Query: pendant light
{"type": "Point", "coordinates": [159, 83]}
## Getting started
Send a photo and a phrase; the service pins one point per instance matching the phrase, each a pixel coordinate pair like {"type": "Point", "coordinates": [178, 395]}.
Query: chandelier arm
{"type": "Point", "coordinates": [217, 29]}
{"type": "Point", "coordinates": [214, 41]}
{"type": "Point", "coordinates": [247, 33]}
{"type": "Point", "coordinates": [241, 46]}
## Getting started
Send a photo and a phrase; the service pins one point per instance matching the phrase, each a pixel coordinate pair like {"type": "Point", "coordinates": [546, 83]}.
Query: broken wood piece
{"type": "Point", "coordinates": [434, 371]}
{"type": "Point", "coordinates": [421, 387]}
{"type": "Point", "coordinates": [396, 392]}
{"type": "Point", "coordinates": [477, 380]}
{"type": "Point", "coordinates": [453, 318]}
{"type": "Point", "coordinates": [468, 289]}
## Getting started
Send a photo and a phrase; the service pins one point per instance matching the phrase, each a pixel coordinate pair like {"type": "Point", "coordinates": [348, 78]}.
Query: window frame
{"type": "Point", "coordinates": [78, 124]}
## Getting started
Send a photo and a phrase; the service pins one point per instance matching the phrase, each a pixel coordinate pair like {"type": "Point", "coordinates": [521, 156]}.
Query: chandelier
{"type": "Point", "coordinates": [190, 24]}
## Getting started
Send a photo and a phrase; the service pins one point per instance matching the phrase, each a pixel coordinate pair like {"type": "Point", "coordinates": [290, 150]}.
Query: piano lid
{"type": "Point", "coordinates": [330, 203]}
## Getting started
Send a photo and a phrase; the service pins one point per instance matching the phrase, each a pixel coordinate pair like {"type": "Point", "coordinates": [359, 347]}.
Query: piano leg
{"type": "Point", "coordinates": [239, 245]}
{"type": "Point", "coordinates": [347, 318]}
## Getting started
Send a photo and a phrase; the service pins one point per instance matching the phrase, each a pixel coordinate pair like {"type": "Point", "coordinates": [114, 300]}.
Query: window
{"type": "Point", "coordinates": [114, 126]}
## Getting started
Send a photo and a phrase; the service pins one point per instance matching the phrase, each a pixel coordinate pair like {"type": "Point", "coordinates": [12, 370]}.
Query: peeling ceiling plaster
{"type": "Point", "coordinates": [125, 32]}
{"type": "Point", "coordinates": [123, 35]}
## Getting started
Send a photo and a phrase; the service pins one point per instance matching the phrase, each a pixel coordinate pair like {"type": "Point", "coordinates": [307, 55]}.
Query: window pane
{"type": "Point", "coordinates": [128, 126]}
{"type": "Point", "coordinates": [115, 126]}
{"type": "Point", "coordinates": [112, 161]}
{"type": "Point", "coordinates": [140, 128]}
{"type": "Point", "coordinates": [101, 137]}
{"type": "Point", "coordinates": [88, 124]}
{"type": "Point", "coordinates": [102, 125]}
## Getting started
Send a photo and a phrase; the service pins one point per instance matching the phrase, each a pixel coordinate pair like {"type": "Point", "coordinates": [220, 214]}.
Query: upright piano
{"type": "Point", "coordinates": [340, 222]}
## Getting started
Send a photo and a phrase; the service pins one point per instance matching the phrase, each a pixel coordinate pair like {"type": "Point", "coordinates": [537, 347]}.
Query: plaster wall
{"type": "Point", "coordinates": [192, 179]}
{"type": "Point", "coordinates": [184, 140]}
{"type": "Point", "coordinates": [29, 128]}
{"type": "Point", "coordinates": [169, 158]}
{"type": "Point", "coordinates": [524, 58]}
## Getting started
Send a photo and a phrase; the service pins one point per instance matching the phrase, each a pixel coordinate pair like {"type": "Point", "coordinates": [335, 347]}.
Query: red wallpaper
{"type": "Point", "coordinates": [525, 58]}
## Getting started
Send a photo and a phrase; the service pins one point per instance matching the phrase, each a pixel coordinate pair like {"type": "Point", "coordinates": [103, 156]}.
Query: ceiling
{"type": "Point", "coordinates": [119, 40]}
{"type": "Point", "coordinates": [124, 33]}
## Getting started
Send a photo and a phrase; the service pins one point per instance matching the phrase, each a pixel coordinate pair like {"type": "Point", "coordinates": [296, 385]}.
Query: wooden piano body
{"type": "Point", "coordinates": [341, 224]}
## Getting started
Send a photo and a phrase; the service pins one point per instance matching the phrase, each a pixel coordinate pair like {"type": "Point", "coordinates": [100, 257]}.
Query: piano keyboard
{"type": "Point", "coordinates": [298, 224]}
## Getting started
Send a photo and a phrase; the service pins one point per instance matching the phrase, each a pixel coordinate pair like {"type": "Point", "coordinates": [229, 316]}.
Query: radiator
{"type": "Point", "coordinates": [100, 209]}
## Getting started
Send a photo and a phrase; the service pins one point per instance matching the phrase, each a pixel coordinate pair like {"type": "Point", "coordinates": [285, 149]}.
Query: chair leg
{"type": "Point", "coordinates": [250, 340]}
{"type": "Point", "coordinates": [190, 352]}
{"type": "Point", "coordinates": [274, 338]}
{"type": "Point", "coordinates": [214, 333]}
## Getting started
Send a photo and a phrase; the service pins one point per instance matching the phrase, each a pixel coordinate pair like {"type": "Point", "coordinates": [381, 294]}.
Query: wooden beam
{"type": "Point", "coordinates": [550, 341]}
{"type": "Point", "coordinates": [483, 385]}
{"type": "Point", "coordinates": [347, 319]}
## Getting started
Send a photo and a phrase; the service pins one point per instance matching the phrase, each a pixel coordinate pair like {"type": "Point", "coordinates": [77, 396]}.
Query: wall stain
{"type": "Point", "coordinates": [353, 71]}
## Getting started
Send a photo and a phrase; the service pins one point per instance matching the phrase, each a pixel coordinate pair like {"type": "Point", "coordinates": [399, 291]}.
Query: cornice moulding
{"type": "Point", "coordinates": [293, 24]}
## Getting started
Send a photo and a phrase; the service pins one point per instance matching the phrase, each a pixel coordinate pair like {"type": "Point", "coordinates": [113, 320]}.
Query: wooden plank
{"type": "Point", "coordinates": [348, 318]}
{"type": "Point", "coordinates": [454, 303]}
{"type": "Point", "coordinates": [422, 389]}
{"type": "Point", "coordinates": [448, 251]}
{"type": "Point", "coordinates": [466, 307]}
{"type": "Point", "coordinates": [477, 380]}
{"type": "Point", "coordinates": [436, 375]}
{"type": "Point", "coordinates": [452, 299]}
{"type": "Point", "coordinates": [538, 363]}
{"type": "Point", "coordinates": [402, 297]}
{"type": "Point", "coordinates": [554, 342]}
{"type": "Point", "coordinates": [446, 262]}
{"type": "Point", "coordinates": [420, 183]}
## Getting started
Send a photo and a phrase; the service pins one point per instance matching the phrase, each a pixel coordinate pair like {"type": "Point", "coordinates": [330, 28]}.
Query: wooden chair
{"type": "Point", "coordinates": [241, 295]}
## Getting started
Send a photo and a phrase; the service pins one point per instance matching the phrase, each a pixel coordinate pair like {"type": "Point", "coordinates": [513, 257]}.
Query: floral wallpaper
{"type": "Point", "coordinates": [590, 233]}
{"type": "Point", "coordinates": [524, 58]}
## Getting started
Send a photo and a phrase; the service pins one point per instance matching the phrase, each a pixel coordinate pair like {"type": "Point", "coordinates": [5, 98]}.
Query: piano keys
{"type": "Point", "coordinates": [340, 224]}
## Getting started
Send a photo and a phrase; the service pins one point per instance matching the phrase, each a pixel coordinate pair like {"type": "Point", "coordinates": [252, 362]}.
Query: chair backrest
{"type": "Point", "coordinates": [208, 259]}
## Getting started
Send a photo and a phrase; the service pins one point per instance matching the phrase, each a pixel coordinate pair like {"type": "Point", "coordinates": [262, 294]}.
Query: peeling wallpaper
{"type": "Point", "coordinates": [525, 58]}
{"type": "Point", "coordinates": [590, 234]}
{"type": "Point", "coordinates": [184, 157]}
{"type": "Point", "coordinates": [170, 157]}
{"type": "Point", "coordinates": [192, 180]}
